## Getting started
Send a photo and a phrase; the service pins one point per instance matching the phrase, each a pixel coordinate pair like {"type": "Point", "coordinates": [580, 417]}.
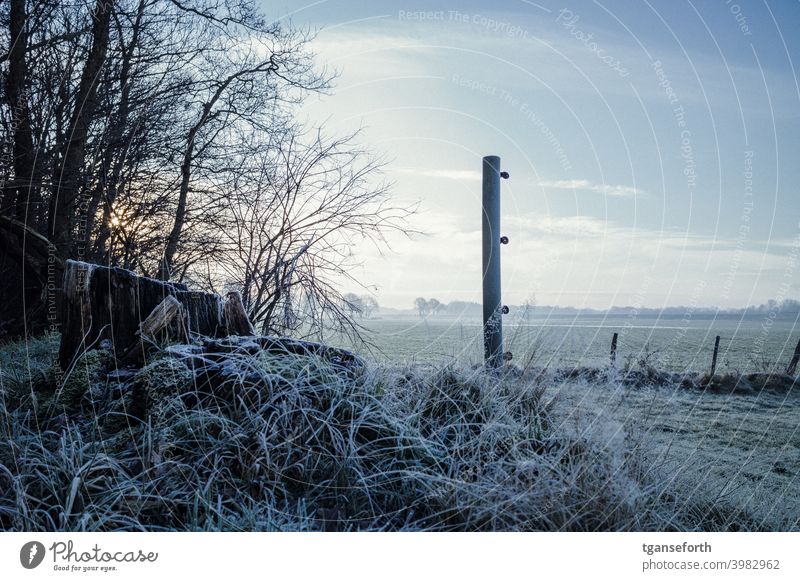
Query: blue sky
{"type": "Point", "coordinates": [653, 146]}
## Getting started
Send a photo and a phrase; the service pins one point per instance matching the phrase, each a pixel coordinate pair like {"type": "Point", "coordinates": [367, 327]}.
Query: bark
{"type": "Point", "coordinates": [168, 321]}
{"type": "Point", "coordinates": [162, 316]}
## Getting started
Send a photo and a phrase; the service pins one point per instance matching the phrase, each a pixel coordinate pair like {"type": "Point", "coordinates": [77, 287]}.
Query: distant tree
{"type": "Point", "coordinates": [353, 304]}
{"type": "Point", "coordinates": [422, 306]}
{"type": "Point", "coordinates": [434, 306]}
{"type": "Point", "coordinates": [369, 305]}
{"type": "Point", "coordinates": [528, 307]}
{"type": "Point", "coordinates": [790, 306]}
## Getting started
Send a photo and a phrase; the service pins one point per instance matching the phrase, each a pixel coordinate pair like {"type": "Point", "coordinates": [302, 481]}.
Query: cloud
{"type": "Point", "coordinates": [447, 174]}
{"type": "Point", "coordinates": [614, 190]}
{"type": "Point", "coordinates": [578, 260]}
{"type": "Point", "coordinates": [570, 226]}
{"type": "Point", "coordinates": [619, 191]}
{"type": "Point", "coordinates": [388, 83]}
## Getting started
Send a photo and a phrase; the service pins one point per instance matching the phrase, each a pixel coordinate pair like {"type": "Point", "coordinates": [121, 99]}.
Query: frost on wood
{"type": "Point", "coordinates": [112, 303]}
{"type": "Point", "coordinates": [162, 316]}
{"type": "Point", "coordinates": [235, 316]}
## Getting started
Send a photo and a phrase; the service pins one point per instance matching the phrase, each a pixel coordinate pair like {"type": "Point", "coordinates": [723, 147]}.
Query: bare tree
{"type": "Point", "coordinates": [353, 304]}
{"type": "Point", "coordinates": [158, 135]}
{"type": "Point", "coordinates": [15, 192]}
{"type": "Point", "coordinates": [67, 176]}
{"type": "Point", "coordinates": [243, 75]}
{"type": "Point", "coordinates": [369, 306]}
{"type": "Point", "coordinates": [301, 207]}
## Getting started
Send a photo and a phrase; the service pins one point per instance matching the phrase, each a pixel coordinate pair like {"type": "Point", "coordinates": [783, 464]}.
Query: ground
{"type": "Point", "coordinates": [741, 449]}
{"type": "Point", "coordinates": [230, 435]}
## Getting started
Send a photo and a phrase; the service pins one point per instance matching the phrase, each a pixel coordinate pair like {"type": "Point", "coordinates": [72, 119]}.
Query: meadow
{"type": "Point", "coordinates": [741, 449]}
{"type": "Point", "coordinates": [222, 435]}
{"type": "Point", "coordinates": [747, 344]}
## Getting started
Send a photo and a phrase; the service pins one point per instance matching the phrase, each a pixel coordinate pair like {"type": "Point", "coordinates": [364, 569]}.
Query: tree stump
{"type": "Point", "coordinates": [161, 318]}
{"type": "Point", "coordinates": [236, 320]}
{"type": "Point", "coordinates": [112, 303]}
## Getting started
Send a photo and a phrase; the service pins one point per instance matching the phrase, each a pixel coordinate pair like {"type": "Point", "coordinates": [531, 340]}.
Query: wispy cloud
{"type": "Point", "coordinates": [447, 174]}
{"type": "Point", "coordinates": [569, 226]}
{"type": "Point", "coordinates": [614, 190]}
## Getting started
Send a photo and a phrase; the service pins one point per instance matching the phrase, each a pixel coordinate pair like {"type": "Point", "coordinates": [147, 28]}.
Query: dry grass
{"type": "Point", "coordinates": [265, 441]}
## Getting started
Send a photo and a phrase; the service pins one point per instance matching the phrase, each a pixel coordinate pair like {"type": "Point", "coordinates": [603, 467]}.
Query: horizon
{"type": "Point", "coordinates": [688, 309]}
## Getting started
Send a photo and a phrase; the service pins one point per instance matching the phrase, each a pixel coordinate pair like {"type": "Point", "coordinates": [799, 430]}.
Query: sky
{"type": "Point", "coordinates": [652, 145]}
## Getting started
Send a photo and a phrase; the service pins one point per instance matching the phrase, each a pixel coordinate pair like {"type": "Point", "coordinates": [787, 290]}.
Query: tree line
{"type": "Point", "coordinates": [427, 307]}
{"type": "Point", "coordinates": [161, 136]}
{"type": "Point", "coordinates": [771, 308]}
{"type": "Point", "coordinates": [361, 306]}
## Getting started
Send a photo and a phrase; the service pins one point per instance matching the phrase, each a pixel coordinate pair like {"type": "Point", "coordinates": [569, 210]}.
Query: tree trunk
{"type": "Point", "coordinates": [68, 180]}
{"type": "Point", "coordinates": [174, 237]}
{"type": "Point", "coordinates": [115, 155]}
{"type": "Point", "coordinates": [17, 193]}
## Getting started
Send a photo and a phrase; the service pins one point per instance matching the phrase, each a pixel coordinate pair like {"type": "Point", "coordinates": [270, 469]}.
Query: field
{"type": "Point", "coordinates": [220, 436]}
{"type": "Point", "coordinates": [741, 448]}
{"type": "Point", "coordinates": [672, 344]}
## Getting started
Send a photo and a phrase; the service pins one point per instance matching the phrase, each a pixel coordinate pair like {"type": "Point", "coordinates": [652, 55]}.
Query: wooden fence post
{"type": "Point", "coordinates": [714, 359]}
{"type": "Point", "coordinates": [795, 359]}
{"type": "Point", "coordinates": [614, 349]}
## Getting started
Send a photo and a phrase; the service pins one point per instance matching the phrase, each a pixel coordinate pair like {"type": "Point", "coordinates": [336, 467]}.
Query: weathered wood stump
{"type": "Point", "coordinates": [236, 320]}
{"type": "Point", "coordinates": [113, 303]}
{"type": "Point", "coordinates": [167, 311]}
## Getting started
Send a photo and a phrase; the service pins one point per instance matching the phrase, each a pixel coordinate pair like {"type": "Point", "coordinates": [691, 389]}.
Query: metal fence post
{"type": "Point", "coordinates": [492, 305]}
